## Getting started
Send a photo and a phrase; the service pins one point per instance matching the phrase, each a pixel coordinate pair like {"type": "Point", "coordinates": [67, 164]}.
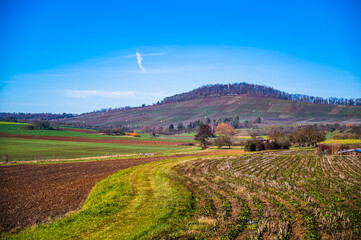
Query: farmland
{"type": "Point", "coordinates": [282, 194]}
{"type": "Point", "coordinates": [11, 128]}
{"type": "Point", "coordinates": [26, 145]}
{"type": "Point", "coordinates": [288, 195]}
{"type": "Point", "coordinates": [33, 149]}
{"type": "Point", "coordinates": [34, 193]}
{"type": "Point", "coordinates": [247, 108]}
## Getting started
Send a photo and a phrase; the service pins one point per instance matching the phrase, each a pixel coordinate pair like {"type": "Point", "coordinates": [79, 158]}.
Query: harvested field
{"type": "Point", "coordinates": [93, 140]}
{"type": "Point", "coordinates": [32, 194]}
{"type": "Point", "coordinates": [277, 195]}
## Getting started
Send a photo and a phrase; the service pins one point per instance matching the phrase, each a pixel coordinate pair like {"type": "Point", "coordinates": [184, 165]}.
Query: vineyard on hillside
{"type": "Point", "coordinates": [288, 195]}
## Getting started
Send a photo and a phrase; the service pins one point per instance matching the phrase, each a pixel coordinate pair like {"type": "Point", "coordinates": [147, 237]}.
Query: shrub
{"type": "Point", "coordinates": [28, 127]}
{"type": "Point", "coordinates": [38, 125]}
{"type": "Point", "coordinates": [42, 125]}
{"type": "Point", "coordinates": [258, 145]}
{"type": "Point", "coordinates": [223, 141]}
{"type": "Point", "coordinates": [113, 132]}
{"type": "Point", "coordinates": [250, 145]}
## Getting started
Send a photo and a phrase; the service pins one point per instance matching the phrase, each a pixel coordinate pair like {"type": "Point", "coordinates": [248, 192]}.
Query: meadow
{"type": "Point", "coordinates": [268, 195]}
{"type": "Point", "coordinates": [33, 149]}
{"type": "Point", "coordinates": [63, 145]}
{"type": "Point", "coordinates": [17, 128]}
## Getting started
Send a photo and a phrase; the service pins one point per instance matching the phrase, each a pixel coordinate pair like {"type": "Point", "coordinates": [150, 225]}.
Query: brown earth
{"type": "Point", "coordinates": [93, 140]}
{"type": "Point", "coordinates": [31, 194]}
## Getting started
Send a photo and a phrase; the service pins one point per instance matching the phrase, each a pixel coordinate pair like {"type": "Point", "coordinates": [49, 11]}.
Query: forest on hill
{"type": "Point", "coordinates": [253, 90]}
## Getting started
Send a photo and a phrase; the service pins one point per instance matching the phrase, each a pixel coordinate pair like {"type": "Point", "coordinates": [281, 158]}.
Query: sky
{"type": "Point", "coordinates": [79, 56]}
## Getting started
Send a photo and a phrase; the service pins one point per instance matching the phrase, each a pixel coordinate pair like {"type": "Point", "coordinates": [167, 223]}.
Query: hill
{"type": "Point", "coordinates": [272, 110]}
{"type": "Point", "coordinates": [239, 101]}
{"type": "Point", "coordinates": [254, 90]}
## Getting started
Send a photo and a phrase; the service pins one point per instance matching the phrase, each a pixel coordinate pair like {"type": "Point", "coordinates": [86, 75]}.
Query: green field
{"type": "Point", "coordinates": [33, 149]}
{"type": "Point", "coordinates": [275, 195]}
{"type": "Point", "coordinates": [16, 128]}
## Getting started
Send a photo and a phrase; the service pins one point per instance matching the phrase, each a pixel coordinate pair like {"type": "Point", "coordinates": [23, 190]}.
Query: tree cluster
{"type": "Point", "coordinates": [112, 131]}
{"type": "Point", "coordinates": [260, 145]}
{"type": "Point", "coordinates": [277, 140]}
{"type": "Point", "coordinates": [306, 136]}
{"type": "Point", "coordinates": [38, 125]}
{"type": "Point", "coordinates": [27, 117]}
{"type": "Point", "coordinates": [302, 137]}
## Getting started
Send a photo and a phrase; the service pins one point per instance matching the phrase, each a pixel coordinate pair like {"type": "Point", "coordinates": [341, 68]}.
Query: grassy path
{"type": "Point", "coordinates": [130, 204]}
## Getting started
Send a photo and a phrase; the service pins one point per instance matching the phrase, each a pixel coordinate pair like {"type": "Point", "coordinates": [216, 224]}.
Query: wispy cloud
{"type": "Point", "coordinates": [143, 54]}
{"type": "Point", "coordinates": [140, 58]}
{"type": "Point", "coordinates": [95, 93]}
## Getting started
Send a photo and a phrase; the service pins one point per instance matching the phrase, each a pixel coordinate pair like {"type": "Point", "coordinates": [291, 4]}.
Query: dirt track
{"type": "Point", "coordinates": [31, 194]}
{"type": "Point", "coordinates": [94, 140]}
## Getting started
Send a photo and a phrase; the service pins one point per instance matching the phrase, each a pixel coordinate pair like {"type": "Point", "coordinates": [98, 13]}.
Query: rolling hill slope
{"type": "Point", "coordinates": [246, 107]}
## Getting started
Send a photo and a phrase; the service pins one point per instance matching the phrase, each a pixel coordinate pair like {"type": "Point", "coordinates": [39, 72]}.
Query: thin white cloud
{"type": "Point", "coordinates": [95, 93]}
{"type": "Point", "coordinates": [154, 54]}
{"type": "Point", "coordinates": [140, 58]}
{"type": "Point", "coordinates": [143, 54]}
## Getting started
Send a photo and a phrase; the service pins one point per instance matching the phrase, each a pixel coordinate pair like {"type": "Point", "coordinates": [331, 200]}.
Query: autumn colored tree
{"type": "Point", "coordinates": [225, 135]}
{"type": "Point", "coordinates": [202, 136]}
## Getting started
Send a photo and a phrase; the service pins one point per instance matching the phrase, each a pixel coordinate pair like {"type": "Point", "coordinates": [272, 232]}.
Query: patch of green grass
{"type": "Point", "coordinates": [32, 149]}
{"type": "Point", "coordinates": [243, 137]}
{"type": "Point", "coordinates": [329, 135]}
{"type": "Point", "coordinates": [176, 138]}
{"type": "Point", "coordinates": [135, 203]}
{"type": "Point", "coordinates": [188, 134]}
{"type": "Point", "coordinates": [17, 129]}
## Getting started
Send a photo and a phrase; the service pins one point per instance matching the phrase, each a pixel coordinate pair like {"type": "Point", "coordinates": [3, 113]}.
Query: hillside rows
{"type": "Point", "coordinates": [247, 108]}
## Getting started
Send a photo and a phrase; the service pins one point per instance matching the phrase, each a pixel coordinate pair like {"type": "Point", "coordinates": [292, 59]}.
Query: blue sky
{"type": "Point", "coordinates": [79, 56]}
